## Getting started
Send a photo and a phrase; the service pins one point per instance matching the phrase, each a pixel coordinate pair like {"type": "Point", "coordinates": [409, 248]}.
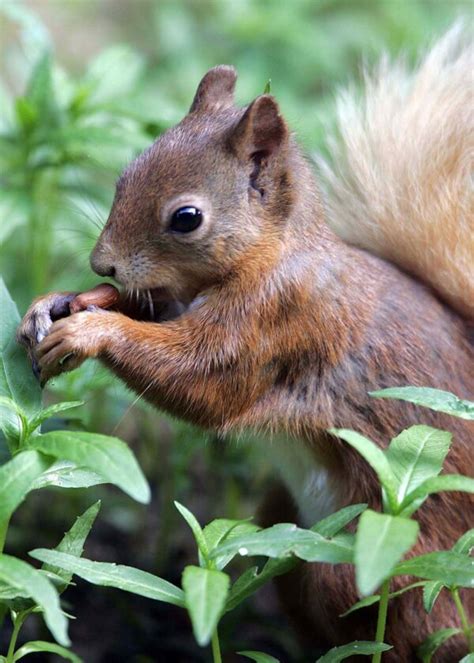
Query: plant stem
{"type": "Point", "coordinates": [216, 648]}
{"type": "Point", "coordinates": [466, 627]}
{"type": "Point", "coordinates": [382, 618]}
{"type": "Point", "coordinates": [17, 624]}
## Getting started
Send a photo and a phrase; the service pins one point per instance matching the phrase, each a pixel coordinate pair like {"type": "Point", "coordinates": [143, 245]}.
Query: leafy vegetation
{"type": "Point", "coordinates": [67, 127]}
{"type": "Point", "coordinates": [408, 473]}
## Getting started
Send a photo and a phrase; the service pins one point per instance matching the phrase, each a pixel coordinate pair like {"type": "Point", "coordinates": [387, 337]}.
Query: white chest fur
{"type": "Point", "coordinates": [314, 487]}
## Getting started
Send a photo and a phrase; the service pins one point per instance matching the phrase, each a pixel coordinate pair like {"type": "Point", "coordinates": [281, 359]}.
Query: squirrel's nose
{"type": "Point", "coordinates": [101, 267]}
{"type": "Point", "coordinates": [104, 270]}
{"type": "Point", "coordinates": [107, 271]}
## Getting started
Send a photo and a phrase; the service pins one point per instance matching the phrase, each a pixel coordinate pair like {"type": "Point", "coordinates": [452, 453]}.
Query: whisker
{"type": "Point", "coordinates": [150, 302]}
{"type": "Point", "coordinates": [79, 211]}
{"type": "Point", "coordinates": [132, 405]}
{"type": "Point", "coordinates": [95, 209]}
{"type": "Point", "coordinates": [79, 231]}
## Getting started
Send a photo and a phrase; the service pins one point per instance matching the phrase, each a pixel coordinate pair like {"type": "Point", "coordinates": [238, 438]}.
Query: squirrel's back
{"type": "Point", "coordinates": [401, 183]}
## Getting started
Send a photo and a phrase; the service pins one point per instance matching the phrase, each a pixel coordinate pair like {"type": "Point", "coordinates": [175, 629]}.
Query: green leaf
{"type": "Point", "coordinates": [205, 592]}
{"type": "Point", "coordinates": [415, 455]}
{"type": "Point", "coordinates": [219, 529]}
{"type": "Point", "coordinates": [286, 539]}
{"type": "Point", "coordinates": [435, 399]}
{"type": "Point", "coordinates": [363, 603]}
{"type": "Point", "coordinates": [223, 529]}
{"type": "Point", "coordinates": [376, 459]}
{"type": "Point", "coordinates": [426, 650]}
{"type": "Point", "coordinates": [375, 598]}
{"type": "Point", "coordinates": [467, 659]}
{"type": "Point", "coordinates": [268, 87]}
{"type": "Point", "coordinates": [431, 592]}
{"type": "Point", "coordinates": [465, 543]}
{"type": "Point", "coordinates": [26, 113]}
{"type": "Point", "coordinates": [447, 566]}
{"type": "Point", "coordinates": [16, 479]}
{"type": "Point", "coordinates": [15, 428]}
{"type": "Point", "coordinates": [67, 475]}
{"type": "Point", "coordinates": [357, 648]}
{"type": "Point", "coordinates": [251, 580]}
{"type": "Point", "coordinates": [107, 456]}
{"type": "Point", "coordinates": [41, 646]}
{"type": "Point", "coordinates": [73, 541]}
{"type": "Point", "coordinates": [119, 576]}
{"type": "Point", "coordinates": [50, 411]}
{"type": "Point", "coordinates": [32, 583]}
{"type": "Point", "coordinates": [18, 600]}
{"type": "Point", "coordinates": [445, 482]}
{"type": "Point", "coordinates": [40, 93]}
{"type": "Point", "coordinates": [17, 381]}
{"type": "Point", "coordinates": [381, 541]}
{"type": "Point", "coordinates": [258, 656]}
{"type": "Point", "coordinates": [195, 528]}
{"type": "Point", "coordinates": [8, 593]}
{"type": "Point", "coordinates": [333, 524]}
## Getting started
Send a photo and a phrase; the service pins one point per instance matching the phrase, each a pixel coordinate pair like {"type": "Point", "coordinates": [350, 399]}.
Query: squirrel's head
{"type": "Point", "coordinates": [207, 192]}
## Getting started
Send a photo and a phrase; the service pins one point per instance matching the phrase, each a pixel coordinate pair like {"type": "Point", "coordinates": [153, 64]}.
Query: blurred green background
{"type": "Point", "coordinates": [85, 86]}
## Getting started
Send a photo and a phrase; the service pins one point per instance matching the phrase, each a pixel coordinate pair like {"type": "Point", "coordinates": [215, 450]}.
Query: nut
{"type": "Point", "coordinates": [102, 296]}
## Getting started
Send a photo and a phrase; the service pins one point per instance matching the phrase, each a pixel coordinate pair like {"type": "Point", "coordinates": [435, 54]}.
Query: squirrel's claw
{"type": "Point", "coordinates": [69, 342]}
{"type": "Point", "coordinates": [38, 321]}
{"type": "Point", "coordinates": [54, 354]}
{"type": "Point", "coordinates": [41, 315]}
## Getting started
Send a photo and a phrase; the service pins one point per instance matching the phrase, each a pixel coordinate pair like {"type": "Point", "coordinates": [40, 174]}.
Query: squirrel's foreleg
{"type": "Point", "coordinates": [183, 366]}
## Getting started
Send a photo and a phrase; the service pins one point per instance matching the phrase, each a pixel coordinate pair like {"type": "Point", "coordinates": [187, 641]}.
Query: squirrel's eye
{"type": "Point", "coordinates": [185, 219]}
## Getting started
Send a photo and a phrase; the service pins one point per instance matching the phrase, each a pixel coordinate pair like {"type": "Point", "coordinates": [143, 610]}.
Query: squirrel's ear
{"type": "Point", "coordinates": [216, 90]}
{"type": "Point", "coordinates": [261, 130]}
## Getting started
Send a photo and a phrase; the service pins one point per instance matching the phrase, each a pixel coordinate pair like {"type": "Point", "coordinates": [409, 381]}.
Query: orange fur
{"type": "Point", "coordinates": [286, 329]}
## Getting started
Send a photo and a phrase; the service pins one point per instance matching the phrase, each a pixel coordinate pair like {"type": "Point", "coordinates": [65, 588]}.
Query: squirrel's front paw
{"type": "Point", "coordinates": [40, 316]}
{"type": "Point", "coordinates": [39, 319]}
{"type": "Point", "coordinates": [69, 342]}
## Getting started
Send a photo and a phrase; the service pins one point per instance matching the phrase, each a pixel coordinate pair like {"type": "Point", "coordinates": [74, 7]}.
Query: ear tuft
{"type": "Point", "coordinates": [216, 90]}
{"type": "Point", "coordinates": [261, 129]}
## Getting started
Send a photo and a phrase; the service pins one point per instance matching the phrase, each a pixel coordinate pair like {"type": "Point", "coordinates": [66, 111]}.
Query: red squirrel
{"type": "Point", "coordinates": [292, 309]}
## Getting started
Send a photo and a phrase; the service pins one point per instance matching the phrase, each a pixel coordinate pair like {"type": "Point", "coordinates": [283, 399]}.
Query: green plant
{"type": "Point", "coordinates": [408, 471]}
{"type": "Point", "coordinates": [62, 142]}
{"type": "Point", "coordinates": [35, 460]}
{"type": "Point", "coordinates": [207, 592]}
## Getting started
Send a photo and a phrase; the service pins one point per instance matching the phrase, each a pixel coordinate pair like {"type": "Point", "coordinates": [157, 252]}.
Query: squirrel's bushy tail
{"type": "Point", "coordinates": [400, 183]}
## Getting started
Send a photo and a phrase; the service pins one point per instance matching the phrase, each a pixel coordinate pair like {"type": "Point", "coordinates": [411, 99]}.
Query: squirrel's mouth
{"type": "Point", "coordinates": [153, 304]}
